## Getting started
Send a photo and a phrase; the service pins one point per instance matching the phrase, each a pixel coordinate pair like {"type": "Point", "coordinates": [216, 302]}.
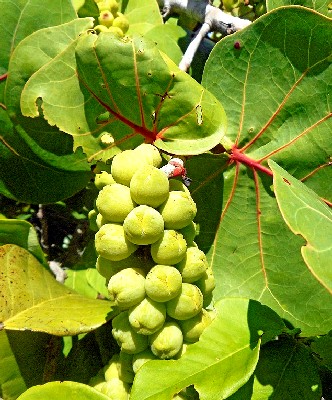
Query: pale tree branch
{"type": "Point", "coordinates": [211, 18]}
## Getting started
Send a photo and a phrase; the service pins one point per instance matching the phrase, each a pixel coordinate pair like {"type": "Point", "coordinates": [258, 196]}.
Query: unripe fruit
{"type": "Point", "coordinates": [176, 185]}
{"type": "Point", "coordinates": [114, 202]}
{"type": "Point", "coordinates": [189, 233]}
{"type": "Point", "coordinates": [113, 6]}
{"type": "Point", "coordinates": [121, 22]}
{"type": "Point", "coordinates": [106, 18]}
{"type": "Point", "coordinates": [111, 243]}
{"type": "Point", "coordinates": [143, 225]}
{"type": "Point", "coordinates": [127, 287]}
{"type": "Point", "coordinates": [187, 304]}
{"type": "Point", "coordinates": [129, 341]}
{"type": "Point", "coordinates": [206, 284]}
{"type": "Point", "coordinates": [116, 389]}
{"type": "Point", "coordinates": [100, 221]}
{"type": "Point", "coordinates": [108, 268]}
{"type": "Point", "coordinates": [169, 249]}
{"type": "Point", "coordinates": [178, 210]}
{"type": "Point", "coordinates": [149, 186]}
{"type": "Point", "coordinates": [98, 380]}
{"type": "Point", "coordinates": [163, 283]}
{"type": "Point", "coordinates": [92, 217]}
{"type": "Point", "coordinates": [116, 31]}
{"type": "Point", "coordinates": [100, 28]}
{"type": "Point", "coordinates": [147, 317]}
{"type": "Point", "coordinates": [124, 166]}
{"type": "Point", "coordinates": [167, 342]}
{"type": "Point", "coordinates": [104, 178]}
{"type": "Point", "coordinates": [192, 328]}
{"type": "Point", "coordinates": [193, 266]}
{"type": "Point", "coordinates": [111, 369]}
{"type": "Point", "coordinates": [140, 359]}
{"type": "Point", "coordinates": [103, 5]}
{"type": "Point", "coordinates": [150, 153]}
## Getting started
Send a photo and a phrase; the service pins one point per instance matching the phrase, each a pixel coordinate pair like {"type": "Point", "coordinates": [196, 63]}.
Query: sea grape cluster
{"type": "Point", "coordinates": [156, 275]}
{"type": "Point", "coordinates": [110, 19]}
{"type": "Point", "coordinates": [249, 9]}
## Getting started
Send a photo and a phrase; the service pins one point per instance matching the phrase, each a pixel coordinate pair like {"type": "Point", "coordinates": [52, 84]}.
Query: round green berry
{"type": "Point", "coordinates": [121, 22]}
{"type": "Point", "coordinates": [206, 284]}
{"type": "Point", "coordinates": [169, 249]}
{"type": "Point", "coordinates": [140, 359]}
{"type": "Point", "coordinates": [150, 153]}
{"type": "Point", "coordinates": [147, 317]}
{"type": "Point", "coordinates": [193, 266]}
{"type": "Point", "coordinates": [192, 328]}
{"type": "Point", "coordinates": [114, 202]}
{"type": "Point", "coordinates": [128, 340]}
{"type": "Point", "coordinates": [143, 225]}
{"type": "Point", "coordinates": [124, 166]}
{"type": "Point", "coordinates": [189, 233]}
{"type": "Point", "coordinates": [127, 287]}
{"type": "Point", "coordinates": [187, 304]}
{"type": "Point", "coordinates": [111, 243]}
{"type": "Point", "coordinates": [116, 31]}
{"type": "Point", "coordinates": [111, 369]}
{"type": "Point", "coordinates": [163, 283]}
{"type": "Point", "coordinates": [166, 342]}
{"type": "Point", "coordinates": [106, 18]}
{"type": "Point", "coordinates": [149, 186]}
{"type": "Point", "coordinates": [178, 210]}
{"type": "Point", "coordinates": [115, 388]}
{"type": "Point", "coordinates": [103, 179]}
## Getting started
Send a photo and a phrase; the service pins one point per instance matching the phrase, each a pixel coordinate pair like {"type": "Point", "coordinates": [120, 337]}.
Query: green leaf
{"type": "Point", "coordinates": [144, 92]}
{"type": "Point", "coordinates": [23, 234]}
{"type": "Point", "coordinates": [320, 6]}
{"type": "Point", "coordinates": [322, 347]}
{"type": "Point", "coordinates": [308, 216]}
{"type": "Point", "coordinates": [11, 381]}
{"type": "Point", "coordinates": [34, 300]}
{"type": "Point", "coordinates": [221, 362]}
{"type": "Point", "coordinates": [87, 282]}
{"type": "Point", "coordinates": [142, 15]}
{"type": "Point", "coordinates": [274, 91]}
{"type": "Point", "coordinates": [62, 390]}
{"type": "Point", "coordinates": [285, 371]}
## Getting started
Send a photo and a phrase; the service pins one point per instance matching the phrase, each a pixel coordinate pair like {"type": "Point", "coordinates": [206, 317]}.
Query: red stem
{"type": "Point", "coordinates": [3, 77]}
{"type": "Point", "coordinates": [236, 155]}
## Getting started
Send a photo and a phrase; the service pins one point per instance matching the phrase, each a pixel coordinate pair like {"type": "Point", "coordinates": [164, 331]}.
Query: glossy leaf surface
{"type": "Point", "coordinates": [32, 299]}
{"type": "Point", "coordinates": [222, 360]}
{"type": "Point", "coordinates": [274, 88]}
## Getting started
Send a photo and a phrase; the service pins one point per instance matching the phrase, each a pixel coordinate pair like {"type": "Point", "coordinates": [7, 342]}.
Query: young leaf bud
{"type": "Point", "coordinates": [111, 243]}
{"type": "Point", "coordinates": [106, 18]}
{"type": "Point", "coordinates": [178, 210]}
{"type": "Point", "coordinates": [129, 341]}
{"type": "Point", "coordinates": [193, 265]}
{"type": "Point", "coordinates": [103, 179]}
{"type": "Point", "coordinates": [147, 317]}
{"type": "Point", "coordinates": [169, 249]}
{"type": "Point", "coordinates": [166, 342]}
{"type": "Point", "coordinates": [163, 283]}
{"type": "Point", "coordinates": [114, 202]}
{"type": "Point", "coordinates": [187, 304]}
{"type": "Point", "coordinates": [149, 186]}
{"type": "Point", "coordinates": [143, 225]}
{"type": "Point", "coordinates": [127, 287]}
{"type": "Point", "coordinates": [150, 153]}
{"type": "Point", "coordinates": [124, 165]}
{"type": "Point", "coordinates": [121, 22]}
{"type": "Point", "coordinates": [140, 359]}
{"type": "Point", "coordinates": [116, 389]}
{"type": "Point", "coordinates": [192, 328]}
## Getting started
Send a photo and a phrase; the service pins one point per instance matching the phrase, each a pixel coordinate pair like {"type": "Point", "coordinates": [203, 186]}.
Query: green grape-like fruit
{"type": "Point", "coordinates": [189, 233]}
{"type": "Point", "coordinates": [121, 22]}
{"type": "Point", "coordinates": [104, 178]}
{"type": "Point", "coordinates": [177, 185]}
{"type": "Point", "coordinates": [128, 340]}
{"type": "Point", "coordinates": [163, 283]}
{"type": "Point", "coordinates": [141, 358]}
{"type": "Point", "coordinates": [192, 328]}
{"type": "Point", "coordinates": [166, 342]}
{"type": "Point", "coordinates": [114, 202]}
{"type": "Point", "coordinates": [169, 249]}
{"type": "Point", "coordinates": [143, 225]}
{"type": "Point", "coordinates": [124, 166]}
{"type": "Point", "coordinates": [116, 389]}
{"type": "Point", "coordinates": [92, 217]}
{"type": "Point", "coordinates": [106, 18]}
{"type": "Point", "coordinates": [187, 304]}
{"type": "Point", "coordinates": [98, 380]}
{"type": "Point", "coordinates": [150, 153]}
{"type": "Point", "coordinates": [127, 287]}
{"type": "Point", "coordinates": [100, 221]}
{"type": "Point", "coordinates": [111, 243]}
{"type": "Point", "coordinates": [113, 6]}
{"type": "Point", "coordinates": [206, 284]}
{"type": "Point", "coordinates": [125, 367]}
{"type": "Point", "coordinates": [116, 31]}
{"type": "Point", "coordinates": [260, 9]}
{"type": "Point", "coordinates": [100, 28]}
{"type": "Point", "coordinates": [193, 266]}
{"type": "Point", "coordinates": [111, 369]}
{"type": "Point", "coordinates": [178, 210]}
{"type": "Point", "coordinates": [149, 186]}
{"type": "Point", "coordinates": [147, 317]}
